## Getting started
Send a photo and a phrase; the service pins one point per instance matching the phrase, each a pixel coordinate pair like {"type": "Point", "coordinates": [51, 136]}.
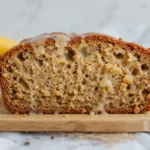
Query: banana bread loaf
{"type": "Point", "coordinates": [74, 74]}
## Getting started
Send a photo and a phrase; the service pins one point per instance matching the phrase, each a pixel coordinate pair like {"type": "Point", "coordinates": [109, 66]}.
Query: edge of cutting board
{"type": "Point", "coordinates": [75, 123]}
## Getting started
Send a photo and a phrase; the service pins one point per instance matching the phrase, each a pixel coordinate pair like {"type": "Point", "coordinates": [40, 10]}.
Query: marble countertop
{"type": "Point", "coordinates": [53, 141]}
{"type": "Point", "coordinates": [26, 18]}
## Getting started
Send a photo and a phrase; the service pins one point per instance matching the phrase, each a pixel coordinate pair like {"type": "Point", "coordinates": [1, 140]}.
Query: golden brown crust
{"type": "Point", "coordinates": [90, 38]}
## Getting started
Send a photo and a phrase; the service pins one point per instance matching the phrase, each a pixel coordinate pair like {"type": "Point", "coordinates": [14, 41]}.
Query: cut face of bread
{"type": "Point", "coordinates": [89, 73]}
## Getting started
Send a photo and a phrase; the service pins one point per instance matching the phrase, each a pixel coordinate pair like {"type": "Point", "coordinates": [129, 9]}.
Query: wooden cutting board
{"type": "Point", "coordinates": [74, 123]}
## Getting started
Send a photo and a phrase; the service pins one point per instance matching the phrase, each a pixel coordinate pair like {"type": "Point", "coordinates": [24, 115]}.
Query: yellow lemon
{"type": "Point", "coordinates": [6, 44]}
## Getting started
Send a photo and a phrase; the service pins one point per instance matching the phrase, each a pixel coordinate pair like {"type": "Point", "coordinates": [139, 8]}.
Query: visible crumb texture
{"type": "Point", "coordinates": [68, 74]}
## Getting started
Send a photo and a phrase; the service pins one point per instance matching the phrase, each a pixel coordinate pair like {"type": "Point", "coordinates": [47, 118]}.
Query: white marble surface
{"type": "Point", "coordinates": [34, 141]}
{"type": "Point", "coordinates": [25, 18]}
{"type": "Point", "coordinates": [20, 19]}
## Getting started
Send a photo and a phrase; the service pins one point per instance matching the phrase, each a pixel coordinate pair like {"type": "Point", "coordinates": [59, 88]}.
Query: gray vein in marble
{"type": "Point", "coordinates": [144, 35]}
{"type": "Point", "coordinates": [37, 5]}
{"type": "Point", "coordinates": [110, 10]}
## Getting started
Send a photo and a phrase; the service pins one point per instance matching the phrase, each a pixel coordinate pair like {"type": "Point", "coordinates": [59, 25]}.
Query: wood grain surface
{"type": "Point", "coordinates": [74, 123]}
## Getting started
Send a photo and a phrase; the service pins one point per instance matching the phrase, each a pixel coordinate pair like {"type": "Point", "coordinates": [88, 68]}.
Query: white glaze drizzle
{"type": "Point", "coordinates": [98, 108]}
{"type": "Point", "coordinates": [61, 41]}
{"type": "Point", "coordinates": [105, 82]}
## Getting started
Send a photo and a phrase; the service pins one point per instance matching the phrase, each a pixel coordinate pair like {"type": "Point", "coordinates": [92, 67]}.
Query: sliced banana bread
{"type": "Point", "coordinates": [88, 73]}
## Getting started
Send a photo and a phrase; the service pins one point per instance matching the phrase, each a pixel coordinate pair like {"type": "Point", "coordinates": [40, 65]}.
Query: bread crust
{"type": "Point", "coordinates": [76, 40]}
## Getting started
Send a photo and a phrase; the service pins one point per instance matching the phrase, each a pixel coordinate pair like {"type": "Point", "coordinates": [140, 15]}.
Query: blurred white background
{"type": "Point", "coordinates": [128, 19]}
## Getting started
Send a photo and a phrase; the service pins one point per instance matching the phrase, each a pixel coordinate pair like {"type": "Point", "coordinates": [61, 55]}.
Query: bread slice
{"type": "Point", "coordinates": [88, 73]}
